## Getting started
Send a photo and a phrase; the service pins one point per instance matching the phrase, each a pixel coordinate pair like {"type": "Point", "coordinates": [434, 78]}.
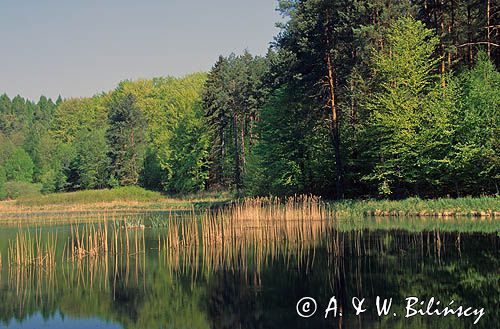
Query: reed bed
{"type": "Point", "coordinates": [104, 280]}
{"type": "Point", "coordinates": [91, 241]}
{"type": "Point", "coordinates": [30, 250]}
{"type": "Point", "coordinates": [248, 234]}
{"type": "Point", "coordinates": [244, 236]}
{"type": "Point", "coordinates": [98, 274]}
{"type": "Point", "coordinates": [102, 239]}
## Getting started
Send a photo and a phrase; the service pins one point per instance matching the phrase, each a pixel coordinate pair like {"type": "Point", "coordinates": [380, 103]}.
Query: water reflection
{"type": "Point", "coordinates": [228, 273]}
{"type": "Point", "coordinates": [58, 321]}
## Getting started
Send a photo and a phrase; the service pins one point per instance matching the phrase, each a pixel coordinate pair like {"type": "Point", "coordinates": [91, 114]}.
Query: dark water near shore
{"type": "Point", "coordinates": [249, 283]}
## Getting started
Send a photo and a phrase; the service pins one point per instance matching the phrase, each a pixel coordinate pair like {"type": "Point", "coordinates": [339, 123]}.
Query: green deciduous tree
{"type": "Point", "coordinates": [475, 159]}
{"type": "Point", "coordinates": [91, 162]}
{"type": "Point", "coordinates": [409, 121]}
{"type": "Point", "coordinates": [175, 131]}
{"type": "Point", "coordinates": [293, 152]}
{"type": "Point", "coordinates": [19, 166]}
{"type": "Point", "coordinates": [73, 115]}
{"type": "Point", "coordinates": [190, 151]}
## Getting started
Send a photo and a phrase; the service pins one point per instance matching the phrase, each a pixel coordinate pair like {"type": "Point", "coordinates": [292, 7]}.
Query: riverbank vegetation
{"type": "Point", "coordinates": [261, 222]}
{"type": "Point", "coordinates": [103, 205]}
{"type": "Point", "coordinates": [149, 269]}
{"type": "Point", "coordinates": [360, 99]}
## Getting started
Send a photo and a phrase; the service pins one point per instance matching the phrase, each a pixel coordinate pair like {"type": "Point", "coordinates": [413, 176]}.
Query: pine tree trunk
{"type": "Point", "coordinates": [488, 28]}
{"type": "Point", "coordinates": [335, 127]}
{"type": "Point", "coordinates": [443, 50]}
{"type": "Point", "coordinates": [243, 157]}
{"type": "Point", "coordinates": [451, 32]}
{"type": "Point", "coordinates": [469, 36]}
{"type": "Point", "coordinates": [220, 170]}
{"type": "Point", "coordinates": [237, 167]}
{"type": "Point", "coordinates": [250, 133]}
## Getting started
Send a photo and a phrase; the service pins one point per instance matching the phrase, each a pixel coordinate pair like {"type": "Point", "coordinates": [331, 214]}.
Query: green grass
{"type": "Point", "coordinates": [413, 206]}
{"type": "Point", "coordinates": [15, 190]}
{"type": "Point", "coordinates": [122, 194]}
{"type": "Point", "coordinates": [413, 224]}
{"type": "Point", "coordinates": [137, 197]}
{"type": "Point", "coordinates": [124, 197]}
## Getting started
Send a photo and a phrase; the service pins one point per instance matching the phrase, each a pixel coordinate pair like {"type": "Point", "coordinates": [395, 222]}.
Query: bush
{"type": "Point", "coordinates": [14, 190]}
{"type": "Point", "coordinates": [3, 179]}
{"type": "Point", "coordinates": [123, 194]}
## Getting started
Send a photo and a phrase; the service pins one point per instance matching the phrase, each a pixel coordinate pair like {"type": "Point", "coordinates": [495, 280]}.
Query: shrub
{"type": "Point", "coordinates": [14, 190]}
{"type": "Point", "coordinates": [3, 179]}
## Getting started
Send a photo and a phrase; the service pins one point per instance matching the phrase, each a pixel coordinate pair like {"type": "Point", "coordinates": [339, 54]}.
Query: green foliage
{"type": "Point", "coordinates": [56, 166]}
{"type": "Point", "coordinates": [125, 136]}
{"type": "Point", "coordinates": [189, 157]}
{"type": "Point", "coordinates": [350, 101]}
{"type": "Point", "coordinates": [407, 64]}
{"type": "Point", "coordinates": [6, 148]}
{"type": "Point", "coordinates": [19, 166]}
{"type": "Point", "coordinates": [175, 133]}
{"type": "Point", "coordinates": [288, 158]}
{"type": "Point", "coordinates": [3, 180]}
{"type": "Point", "coordinates": [232, 97]}
{"type": "Point", "coordinates": [153, 176]}
{"type": "Point", "coordinates": [409, 123]}
{"type": "Point", "coordinates": [14, 190]}
{"type": "Point", "coordinates": [91, 162]}
{"type": "Point", "coordinates": [474, 159]}
{"type": "Point", "coordinates": [125, 193]}
{"type": "Point", "coordinates": [77, 114]}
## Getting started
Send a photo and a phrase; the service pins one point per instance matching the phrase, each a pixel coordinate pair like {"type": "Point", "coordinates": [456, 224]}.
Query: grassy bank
{"type": "Point", "coordinates": [119, 199]}
{"type": "Point", "coordinates": [445, 207]}
{"type": "Point", "coordinates": [138, 199]}
{"type": "Point", "coordinates": [131, 193]}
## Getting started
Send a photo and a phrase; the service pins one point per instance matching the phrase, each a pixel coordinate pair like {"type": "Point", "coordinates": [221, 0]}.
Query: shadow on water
{"type": "Point", "coordinates": [247, 269]}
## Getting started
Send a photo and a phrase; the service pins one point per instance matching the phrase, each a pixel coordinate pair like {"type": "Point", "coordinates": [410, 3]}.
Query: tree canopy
{"type": "Point", "coordinates": [353, 99]}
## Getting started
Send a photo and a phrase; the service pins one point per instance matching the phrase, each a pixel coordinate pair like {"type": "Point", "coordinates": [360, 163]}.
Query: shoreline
{"type": "Point", "coordinates": [73, 204]}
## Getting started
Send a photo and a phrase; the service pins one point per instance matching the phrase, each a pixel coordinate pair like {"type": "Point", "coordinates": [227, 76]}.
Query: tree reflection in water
{"type": "Point", "coordinates": [237, 274]}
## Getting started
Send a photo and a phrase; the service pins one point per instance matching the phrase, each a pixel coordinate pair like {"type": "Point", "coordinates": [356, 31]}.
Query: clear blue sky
{"type": "Point", "coordinates": [81, 47]}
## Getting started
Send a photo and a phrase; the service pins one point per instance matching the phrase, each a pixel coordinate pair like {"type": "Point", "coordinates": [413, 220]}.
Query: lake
{"type": "Point", "coordinates": [187, 270]}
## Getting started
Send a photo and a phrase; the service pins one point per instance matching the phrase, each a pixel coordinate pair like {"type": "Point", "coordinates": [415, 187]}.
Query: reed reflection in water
{"type": "Point", "coordinates": [245, 266]}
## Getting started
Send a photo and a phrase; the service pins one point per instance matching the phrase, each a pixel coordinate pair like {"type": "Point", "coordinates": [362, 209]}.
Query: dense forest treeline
{"type": "Point", "coordinates": [147, 132]}
{"type": "Point", "coordinates": [354, 99]}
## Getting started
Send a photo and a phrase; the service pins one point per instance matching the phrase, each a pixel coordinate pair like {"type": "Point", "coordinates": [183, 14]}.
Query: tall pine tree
{"type": "Point", "coordinates": [126, 139]}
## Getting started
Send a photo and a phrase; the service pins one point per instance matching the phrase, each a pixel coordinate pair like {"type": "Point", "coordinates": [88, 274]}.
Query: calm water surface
{"type": "Point", "coordinates": [255, 280]}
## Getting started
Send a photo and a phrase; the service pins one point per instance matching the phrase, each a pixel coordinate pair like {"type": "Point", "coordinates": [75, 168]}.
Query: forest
{"type": "Point", "coordinates": [354, 99]}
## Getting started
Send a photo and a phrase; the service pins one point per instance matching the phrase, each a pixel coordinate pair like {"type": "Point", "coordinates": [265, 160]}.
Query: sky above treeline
{"type": "Point", "coordinates": [80, 48]}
